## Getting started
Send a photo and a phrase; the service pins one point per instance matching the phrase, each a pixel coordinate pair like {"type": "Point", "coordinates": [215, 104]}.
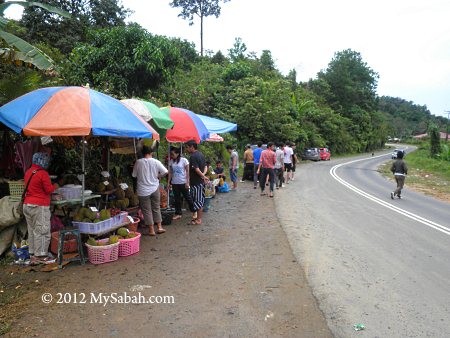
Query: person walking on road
{"type": "Point", "coordinates": [279, 166]}
{"type": "Point", "coordinates": [256, 156]}
{"type": "Point", "coordinates": [288, 152]}
{"type": "Point", "coordinates": [266, 168]}
{"type": "Point", "coordinates": [233, 166]}
{"type": "Point", "coordinates": [400, 170]}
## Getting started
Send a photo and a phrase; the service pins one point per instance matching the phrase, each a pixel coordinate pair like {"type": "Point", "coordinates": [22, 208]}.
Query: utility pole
{"type": "Point", "coordinates": [448, 120]}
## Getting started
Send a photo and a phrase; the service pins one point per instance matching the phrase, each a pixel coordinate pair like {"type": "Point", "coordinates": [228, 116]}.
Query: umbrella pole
{"type": "Point", "coordinates": [82, 171]}
{"type": "Point", "coordinates": [168, 183]}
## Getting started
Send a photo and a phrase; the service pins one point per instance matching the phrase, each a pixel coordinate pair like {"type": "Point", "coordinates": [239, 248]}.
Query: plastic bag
{"type": "Point", "coordinates": [20, 251]}
{"type": "Point", "coordinates": [224, 187]}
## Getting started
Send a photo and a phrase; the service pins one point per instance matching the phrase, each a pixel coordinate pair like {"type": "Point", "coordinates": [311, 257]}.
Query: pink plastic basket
{"type": "Point", "coordinates": [103, 254]}
{"type": "Point", "coordinates": [129, 246]}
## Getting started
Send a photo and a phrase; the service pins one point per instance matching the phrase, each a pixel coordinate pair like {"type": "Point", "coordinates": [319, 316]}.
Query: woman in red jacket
{"type": "Point", "coordinates": [36, 208]}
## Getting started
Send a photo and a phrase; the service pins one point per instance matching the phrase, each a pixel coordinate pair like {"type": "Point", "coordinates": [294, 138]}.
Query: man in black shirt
{"type": "Point", "coordinates": [197, 180]}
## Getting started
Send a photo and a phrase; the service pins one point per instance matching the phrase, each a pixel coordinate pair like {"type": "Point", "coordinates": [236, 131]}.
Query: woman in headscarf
{"type": "Point", "coordinates": [36, 208]}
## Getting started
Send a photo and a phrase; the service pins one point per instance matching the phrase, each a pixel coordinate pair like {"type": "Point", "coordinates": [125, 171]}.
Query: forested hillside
{"type": "Point", "coordinates": [406, 118]}
{"type": "Point", "coordinates": [339, 108]}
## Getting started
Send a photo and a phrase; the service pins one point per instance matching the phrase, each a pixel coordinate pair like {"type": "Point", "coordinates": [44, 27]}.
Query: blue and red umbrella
{"type": "Point", "coordinates": [72, 111]}
{"type": "Point", "coordinates": [187, 126]}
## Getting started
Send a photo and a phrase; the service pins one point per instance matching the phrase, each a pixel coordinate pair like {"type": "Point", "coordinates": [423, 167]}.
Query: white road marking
{"type": "Point", "coordinates": [408, 214]}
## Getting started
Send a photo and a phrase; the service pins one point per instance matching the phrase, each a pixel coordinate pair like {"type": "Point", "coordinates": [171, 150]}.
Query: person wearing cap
{"type": "Point", "coordinates": [36, 208]}
{"type": "Point", "coordinates": [400, 170]}
{"type": "Point", "coordinates": [248, 164]}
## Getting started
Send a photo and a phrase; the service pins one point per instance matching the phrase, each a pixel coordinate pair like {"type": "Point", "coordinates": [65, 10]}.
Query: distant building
{"type": "Point", "coordinates": [443, 136]}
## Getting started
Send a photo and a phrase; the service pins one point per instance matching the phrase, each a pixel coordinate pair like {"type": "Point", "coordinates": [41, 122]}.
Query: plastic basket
{"type": "Point", "coordinates": [16, 188]}
{"type": "Point", "coordinates": [70, 243]}
{"type": "Point", "coordinates": [102, 226]}
{"type": "Point", "coordinates": [69, 193]}
{"type": "Point", "coordinates": [129, 246]}
{"type": "Point", "coordinates": [134, 225]}
{"type": "Point", "coordinates": [94, 228]}
{"type": "Point", "coordinates": [103, 254]}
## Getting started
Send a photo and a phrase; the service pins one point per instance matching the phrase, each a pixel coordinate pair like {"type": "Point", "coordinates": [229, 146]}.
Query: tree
{"type": "Point", "coordinates": [85, 15]}
{"type": "Point", "coordinates": [352, 82]}
{"type": "Point", "coordinates": [200, 8]}
{"type": "Point", "coordinates": [20, 50]}
{"type": "Point", "coordinates": [237, 53]}
{"type": "Point", "coordinates": [435, 141]}
{"type": "Point", "coordinates": [124, 61]}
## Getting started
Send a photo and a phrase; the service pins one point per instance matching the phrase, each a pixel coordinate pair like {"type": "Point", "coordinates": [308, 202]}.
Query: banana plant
{"type": "Point", "coordinates": [19, 51]}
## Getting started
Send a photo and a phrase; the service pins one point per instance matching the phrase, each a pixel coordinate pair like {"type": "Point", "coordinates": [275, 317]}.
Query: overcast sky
{"type": "Point", "coordinates": [407, 42]}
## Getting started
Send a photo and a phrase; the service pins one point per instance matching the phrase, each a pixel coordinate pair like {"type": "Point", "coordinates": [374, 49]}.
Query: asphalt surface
{"type": "Point", "coordinates": [369, 259]}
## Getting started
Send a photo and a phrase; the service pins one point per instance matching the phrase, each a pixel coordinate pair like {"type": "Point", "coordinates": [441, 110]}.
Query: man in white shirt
{"type": "Point", "coordinates": [288, 152]}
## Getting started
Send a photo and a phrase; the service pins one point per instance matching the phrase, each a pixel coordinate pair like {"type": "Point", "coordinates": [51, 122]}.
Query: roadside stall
{"type": "Point", "coordinates": [76, 113]}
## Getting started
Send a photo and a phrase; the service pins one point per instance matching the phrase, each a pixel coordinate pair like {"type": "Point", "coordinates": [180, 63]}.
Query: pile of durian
{"type": "Point", "coordinates": [122, 233]}
{"type": "Point", "coordinates": [86, 215]}
{"type": "Point", "coordinates": [123, 198]}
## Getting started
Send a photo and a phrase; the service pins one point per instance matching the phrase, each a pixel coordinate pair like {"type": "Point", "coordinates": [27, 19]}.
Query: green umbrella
{"type": "Point", "coordinates": [151, 113]}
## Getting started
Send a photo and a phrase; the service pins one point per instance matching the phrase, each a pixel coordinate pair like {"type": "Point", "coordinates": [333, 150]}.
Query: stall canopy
{"type": "Point", "coordinates": [72, 111]}
{"type": "Point", "coordinates": [217, 126]}
{"type": "Point", "coordinates": [150, 113]}
{"type": "Point", "coordinates": [187, 126]}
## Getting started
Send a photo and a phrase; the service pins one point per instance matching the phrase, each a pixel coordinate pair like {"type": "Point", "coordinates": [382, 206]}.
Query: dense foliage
{"type": "Point", "coordinates": [339, 109]}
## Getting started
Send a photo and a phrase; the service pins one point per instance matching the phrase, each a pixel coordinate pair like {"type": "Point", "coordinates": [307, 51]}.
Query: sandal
{"type": "Point", "coordinates": [192, 221]}
{"type": "Point", "coordinates": [160, 231]}
{"type": "Point", "coordinates": [174, 218]}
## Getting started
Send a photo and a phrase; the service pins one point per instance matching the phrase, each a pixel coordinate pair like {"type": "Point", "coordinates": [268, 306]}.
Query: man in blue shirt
{"type": "Point", "coordinates": [256, 156]}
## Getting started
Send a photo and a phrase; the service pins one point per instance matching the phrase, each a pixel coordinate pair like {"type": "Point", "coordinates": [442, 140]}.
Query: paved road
{"type": "Point", "coordinates": [370, 259]}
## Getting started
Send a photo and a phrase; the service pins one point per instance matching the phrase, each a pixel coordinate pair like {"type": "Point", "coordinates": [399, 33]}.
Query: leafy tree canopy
{"type": "Point", "coordinates": [66, 33]}
{"type": "Point", "coordinates": [124, 61]}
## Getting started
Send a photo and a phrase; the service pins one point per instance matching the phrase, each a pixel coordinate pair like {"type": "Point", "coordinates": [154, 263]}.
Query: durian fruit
{"type": "Point", "coordinates": [131, 235]}
{"type": "Point", "coordinates": [105, 214]}
{"type": "Point", "coordinates": [101, 187]}
{"type": "Point", "coordinates": [97, 220]}
{"type": "Point", "coordinates": [115, 182]}
{"type": "Point", "coordinates": [92, 215]}
{"type": "Point", "coordinates": [113, 239]}
{"type": "Point", "coordinates": [120, 194]}
{"type": "Point", "coordinates": [83, 212]}
{"type": "Point", "coordinates": [77, 218]}
{"type": "Point", "coordinates": [134, 201]}
{"type": "Point", "coordinates": [91, 241]}
{"type": "Point", "coordinates": [129, 193]}
{"type": "Point", "coordinates": [122, 232]}
{"type": "Point", "coordinates": [86, 220]}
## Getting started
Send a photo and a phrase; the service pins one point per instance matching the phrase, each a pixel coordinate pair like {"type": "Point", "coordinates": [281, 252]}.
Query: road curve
{"type": "Point", "coordinates": [369, 259]}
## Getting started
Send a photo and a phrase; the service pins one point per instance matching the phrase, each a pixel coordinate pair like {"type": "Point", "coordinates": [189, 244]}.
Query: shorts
{"type": "Point", "coordinates": [233, 175]}
{"type": "Point", "coordinates": [288, 167]}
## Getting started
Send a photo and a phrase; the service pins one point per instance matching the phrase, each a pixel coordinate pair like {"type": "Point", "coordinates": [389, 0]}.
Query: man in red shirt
{"type": "Point", "coordinates": [36, 208]}
{"type": "Point", "coordinates": [266, 168]}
